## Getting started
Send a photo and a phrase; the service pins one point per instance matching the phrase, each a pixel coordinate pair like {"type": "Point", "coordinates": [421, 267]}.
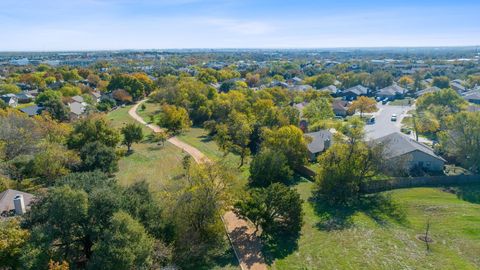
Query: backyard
{"type": "Point", "coordinates": [383, 234]}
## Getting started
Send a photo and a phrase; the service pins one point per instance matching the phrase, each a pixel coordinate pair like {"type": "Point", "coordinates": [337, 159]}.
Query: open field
{"type": "Point", "coordinates": [151, 109]}
{"type": "Point", "coordinates": [158, 165]}
{"type": "Point", "coordinates": [383, 236]}
{"type": "Point", "coordinates": [119, 118]}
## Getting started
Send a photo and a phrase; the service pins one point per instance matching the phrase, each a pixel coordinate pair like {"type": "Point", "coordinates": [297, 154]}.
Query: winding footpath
{"type": "Point", "coordinates": [246, 245]}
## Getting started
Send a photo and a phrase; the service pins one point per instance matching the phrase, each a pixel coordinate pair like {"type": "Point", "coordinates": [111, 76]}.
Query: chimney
{"type": "Point", "coordinates": [327, 143]}
{"type": "Point", "coordinates": [19, 204]}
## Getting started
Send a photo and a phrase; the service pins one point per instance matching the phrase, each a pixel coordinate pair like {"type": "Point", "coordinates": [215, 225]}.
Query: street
{"type": "Point", "coordinates": [383, 124]}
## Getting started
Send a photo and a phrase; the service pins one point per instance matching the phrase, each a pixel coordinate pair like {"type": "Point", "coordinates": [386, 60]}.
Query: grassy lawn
{"type": "Point", "coordinates": [119, 118]}
{"type": "Point", "coordinates": [151, 109]}
{"type": "Point", "coordinates": [158, 165]}
{"type": "Point", "coordinates": [387, 239]}
{"type": "Point", "coordinates": [402, 102]}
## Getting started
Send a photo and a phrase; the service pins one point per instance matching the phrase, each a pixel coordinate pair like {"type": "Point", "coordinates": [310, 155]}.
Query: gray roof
{"type": "Point", "coordinates": [303, 87]}
{"type": "Point", "coordinates": [432, 89]}
{"type": "Point", "coordinates": [473, 109]}
{"type": "Point", "coordinates": [96, 94]}
{"type": "Point", "coordinates": [472, 95]}
{"type": "Point", "coordinates": [397, 144]}
{"type": "Point", "coordinates": [6, 199]}
{"type": "Point", "coordinates": [357, 90]}
{"type": "Point", "coordinates": [77, 108]}
{"type": "Point", "coordinates": [32, 110]}
{"type": "Point", "coordinates": [392, 90]}
{"type": "Point", "coordinates": [331, 88]}
{"type": "Point", "coordinates": [340, 105]}
{"type": "Point", "coordinates": [317, 144]}
{"type": "Point", "coordinates": [78, 99]}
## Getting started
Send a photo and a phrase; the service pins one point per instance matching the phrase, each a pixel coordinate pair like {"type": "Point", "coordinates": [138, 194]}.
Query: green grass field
{"type": "Point", "coordinates": [384, 237]}
{"type": "Point", "coordinates": [158, 165]}
{"type": "Point", "coordinates": [151, 109]}
{"type": "Point", "coordinates": [402, 102]}
{"type": "Point", "coordinates": [119, 118]}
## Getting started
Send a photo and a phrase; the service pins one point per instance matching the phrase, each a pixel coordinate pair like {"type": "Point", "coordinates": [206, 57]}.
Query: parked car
{"type": "Point", "coordinates": [394, 118]}
{"type": "Point", "coordinates": [371, 121]}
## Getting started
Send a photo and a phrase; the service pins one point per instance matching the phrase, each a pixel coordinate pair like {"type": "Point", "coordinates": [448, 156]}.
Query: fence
{"type": "Point", "coordinates": [428, 181]}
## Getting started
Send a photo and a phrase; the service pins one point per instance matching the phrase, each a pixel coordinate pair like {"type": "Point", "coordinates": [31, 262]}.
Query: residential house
{"type": "Point", "coordinates": [354, 92]}
{"type": "Point", "coordinates": [279, 84]}
{"type": "Point", "coordinates": [24, 98]}
{"type": "Point", "coordinates": [78, 99]}
{"type": "Point", "coordinates": [472, 96]}
{"type": "Point", "coordinates": [97, 96]}
{"type": "Point", "coordinates": [295, 81]}
{"type": "Point", "coordinates": [320, 141]}
{"type": "Point", "coordinates": [473, 109]}
{"type": "Point", "coordinates": [427, 81]}
{"type": "Point", "coordinates": [300, 88]}
{"type": "Point", "coordinates": [77, 110]}
{"type": "Point", "coordinates": [431, 89]}
{"type": "Point", "coordinates": [340, 107]}
{"type": "Point", "coordinates": [457, 85]}
{"type": "Point", "coordinates": [14, 202]}
{"type": "Point", "coordinates": [332, 89]}
{"type": "Point", "coordinates": [32, 110]}
{"type": "Point", "coordinates": [33, 92]}
{"type": "Point", "coordinates": [401, 150]}
{"type": "Point", "coordinates": [392, 92]}
{"type": "Point", "coordinates": [10, 99]}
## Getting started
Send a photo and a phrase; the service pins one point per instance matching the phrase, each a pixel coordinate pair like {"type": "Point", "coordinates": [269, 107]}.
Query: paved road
{"type": "Point", "coordinates": [247, 246]}
{"type": "Point", "coordinates": [383, 125]}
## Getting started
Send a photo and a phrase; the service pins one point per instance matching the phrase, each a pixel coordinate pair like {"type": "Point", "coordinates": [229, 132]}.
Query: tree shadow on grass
{"type": "Point", "coordinates": [280, 246]}
{"type": "Point", "coordinates": [205, 138]}
{"type": "Point", "coordinates": [379, 207]}
{"type": "Point", "coordinates": [222, 259]}
{"type": "Point", "coordinates": [468, 193]}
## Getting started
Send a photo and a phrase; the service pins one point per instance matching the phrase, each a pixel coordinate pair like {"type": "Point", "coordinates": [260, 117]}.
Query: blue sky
{"type": "Point", "coordinates": [148, 24]}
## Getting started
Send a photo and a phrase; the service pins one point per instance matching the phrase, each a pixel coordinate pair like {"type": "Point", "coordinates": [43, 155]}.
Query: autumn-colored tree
{"type": "Point", "coordinates": [160, 137]}
{"type": "Point", "coordinates": [447, 101]}
{"type": "Point", "coordinates": [174, 119]}
{"type": "Point", "coordinates": [252, 79]}
{"type": "Point", "coordinates": [288, 140]}
{"type": "Point", "coordinates": [12, 240]}
{"type": "Point", "coordinates": [424, 122]}
{"type": "Point", "coordinates": [406, 81]}
{"type": "Point", "coordinates": [122, 96]}
{"type": "Point", "coordinates": [52, 265]}
{"type": "Point", "coordinates": [461, 139]}
{"type": "Point", "coordinates": [364, 105]}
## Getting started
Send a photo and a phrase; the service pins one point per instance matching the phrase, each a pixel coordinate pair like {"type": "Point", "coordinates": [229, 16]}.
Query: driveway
{"type": "Point", "coordinates": [383, 125]}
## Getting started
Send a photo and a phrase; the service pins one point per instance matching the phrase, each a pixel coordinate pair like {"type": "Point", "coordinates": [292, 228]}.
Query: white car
{"type": "Point", "coordinates": [394, 118]}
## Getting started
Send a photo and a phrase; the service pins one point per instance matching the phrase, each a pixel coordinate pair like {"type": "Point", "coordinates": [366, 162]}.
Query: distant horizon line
{"type": "Point", "coordinates": [247, 48]}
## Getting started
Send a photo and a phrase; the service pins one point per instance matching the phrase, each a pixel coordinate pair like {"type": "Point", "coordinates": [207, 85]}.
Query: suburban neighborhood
{"type": "Point", "coordinates": [239, 135]}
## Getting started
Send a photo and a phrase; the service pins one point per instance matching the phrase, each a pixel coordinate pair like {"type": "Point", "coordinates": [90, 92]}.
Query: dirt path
{"type": "Point", "coordinates": [247, 246]}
